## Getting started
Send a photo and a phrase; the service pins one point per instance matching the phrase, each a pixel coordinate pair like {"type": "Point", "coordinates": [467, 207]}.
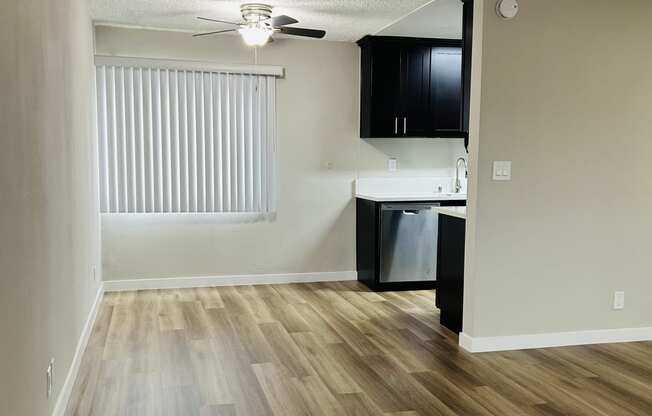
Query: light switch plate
{"type": "Point", "coordinates": [392, 164]}
{"type": "Point", "coordinates": [619, 300]}
{"type": "Point", "coordinates": [502, 171]}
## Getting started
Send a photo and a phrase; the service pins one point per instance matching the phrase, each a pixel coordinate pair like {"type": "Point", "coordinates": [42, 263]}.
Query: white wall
{"type": "Point", "coordinates": [49, 226]}
{"type": "Point", "coordinates": [317, 124]}
{"type": "Point", "coordinates": [566, 93]}
{"type": "Point", "coordinates": [416, 157]}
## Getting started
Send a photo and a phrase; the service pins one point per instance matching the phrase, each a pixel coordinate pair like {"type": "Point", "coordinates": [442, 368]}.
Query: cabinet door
{"type": "Point", "coordinates": [446, 88]}
{"type": "Point", "coordinates": [385, 90]}
{"type": "Point", "coordinates": [415, 92]}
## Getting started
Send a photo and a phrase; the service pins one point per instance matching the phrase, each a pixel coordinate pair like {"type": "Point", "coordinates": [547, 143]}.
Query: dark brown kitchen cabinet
{"type": "Point", "coordinates": [383, 112]}
{"type": "Point", "coordinates": [446, 88]}
{"type": "Point", "coordinates": [415, 98]}
{"type": "Point", "coordinates": [411, 87]}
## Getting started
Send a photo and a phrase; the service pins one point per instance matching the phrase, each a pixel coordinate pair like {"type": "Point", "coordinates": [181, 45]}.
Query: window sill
{"type": "Point", "coordinates": [195, 217]}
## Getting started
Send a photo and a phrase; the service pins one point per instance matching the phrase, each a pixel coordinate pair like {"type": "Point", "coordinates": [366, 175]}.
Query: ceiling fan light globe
{"type": "Point", "coordinates": [255, 35]}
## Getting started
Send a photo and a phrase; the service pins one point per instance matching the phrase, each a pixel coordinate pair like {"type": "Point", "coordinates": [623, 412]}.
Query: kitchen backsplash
{"type": "Point", "coordinates": [415, 157]}
{"type": "Point", "coordinates": [407, 185]}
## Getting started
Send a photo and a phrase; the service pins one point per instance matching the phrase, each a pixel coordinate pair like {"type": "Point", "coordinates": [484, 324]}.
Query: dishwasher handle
{"type": "Point", "coordinates": [409, 208]}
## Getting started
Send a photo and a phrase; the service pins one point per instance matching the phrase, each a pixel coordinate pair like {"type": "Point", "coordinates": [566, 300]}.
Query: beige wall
{"type": "Point", "coordinates": [566, 95]}
{"type": "Point", "coordinates": [317, 118]}
{"type": "Point", "coordinates": [317, 124]}
{"type": "Point", "coordinates": [49, 227]}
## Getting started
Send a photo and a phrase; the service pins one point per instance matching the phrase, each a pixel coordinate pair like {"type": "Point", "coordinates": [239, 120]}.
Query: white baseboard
{"type": "Point", "coordinates": [66, 388]}
{"type": "Point", "coordinates": [557, 339]}
{"type": "Point", "coordinates": [236, 280]}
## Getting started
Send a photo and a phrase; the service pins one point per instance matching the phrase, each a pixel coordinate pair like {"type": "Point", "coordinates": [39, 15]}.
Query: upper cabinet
{"type": "Point", "coordinates": [411, 87]}
{"type": "Point", "coordinates": [446, 88]}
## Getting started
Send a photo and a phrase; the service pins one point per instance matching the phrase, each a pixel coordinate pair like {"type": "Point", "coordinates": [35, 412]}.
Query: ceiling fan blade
{"type": "Point", "coordinates": [278, 21]}
{"type": "Point", "coordinates": [298, 31]}
{"type": "Point", "coordinates": [214, 33]}
{"type": "Point", "coordinates": [217, 21]}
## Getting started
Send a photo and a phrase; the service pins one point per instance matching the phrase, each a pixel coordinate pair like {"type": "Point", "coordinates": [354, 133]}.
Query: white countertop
{"type": "Point", "coordinates": [406, 189]}
{"type": "Point", "coordinates": [409, 196]}
{"type": "Point", "coordinates": [459, 212]}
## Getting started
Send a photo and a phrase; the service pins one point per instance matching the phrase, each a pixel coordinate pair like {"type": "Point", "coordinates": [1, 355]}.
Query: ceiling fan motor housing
{"type": "Point", "coordinates": [256, 12]}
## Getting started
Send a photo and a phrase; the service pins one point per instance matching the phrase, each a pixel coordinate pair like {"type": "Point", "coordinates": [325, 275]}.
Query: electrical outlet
{"type": "Point", "coordinates": [392, 164]}
{"type": "Point", "coordinates": [619, 300]}
{"type": "Point", "coordinates": [49, 376]}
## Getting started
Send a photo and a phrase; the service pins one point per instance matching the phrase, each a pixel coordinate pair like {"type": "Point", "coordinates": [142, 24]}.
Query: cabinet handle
{"type": "Point", "coordinates": [395, 125]}
{"type": "Point", "coordinates": [404, 125]}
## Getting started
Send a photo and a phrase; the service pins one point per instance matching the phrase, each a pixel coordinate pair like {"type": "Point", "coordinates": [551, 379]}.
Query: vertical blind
{"type": "Point", "coordinates": [176, 139]}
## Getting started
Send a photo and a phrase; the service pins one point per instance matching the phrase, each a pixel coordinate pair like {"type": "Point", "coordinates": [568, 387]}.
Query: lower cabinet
{"type": "Point", "coordinates": [396, 244]}
{"type": "Point", "coordinates": [450, 271]}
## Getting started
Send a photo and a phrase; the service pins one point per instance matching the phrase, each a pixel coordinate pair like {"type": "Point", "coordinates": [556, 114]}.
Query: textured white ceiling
{"type": "Point", "coordinates": [345, 20]}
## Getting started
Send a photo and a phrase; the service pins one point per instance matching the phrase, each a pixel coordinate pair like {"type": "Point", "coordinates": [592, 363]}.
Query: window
{"type": "Point", "coordinates": [187, 137]}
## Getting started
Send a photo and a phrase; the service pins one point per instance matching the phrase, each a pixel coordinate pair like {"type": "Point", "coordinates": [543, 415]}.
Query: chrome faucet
{"type": "Point", "coordinates": [458, 183]}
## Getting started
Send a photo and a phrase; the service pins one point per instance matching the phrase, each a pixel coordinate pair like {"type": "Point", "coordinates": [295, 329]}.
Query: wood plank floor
{"type": "Point", "coordinates": [332, 349]}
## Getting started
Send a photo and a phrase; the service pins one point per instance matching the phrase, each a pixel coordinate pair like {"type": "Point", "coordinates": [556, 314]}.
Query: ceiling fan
{"type": "Point", "coordinates": [258, 25]}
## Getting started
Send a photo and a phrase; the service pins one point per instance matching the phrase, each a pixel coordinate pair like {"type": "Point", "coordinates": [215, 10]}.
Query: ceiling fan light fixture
{"type": "Point", "coordinates": [258, 25]}
{"type": "Point", "coordinates": [255, 34]}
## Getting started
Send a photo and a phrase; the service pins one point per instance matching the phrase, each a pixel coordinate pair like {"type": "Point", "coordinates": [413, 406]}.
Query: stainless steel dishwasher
{"type": "Point", "coordinates": [408, 242]}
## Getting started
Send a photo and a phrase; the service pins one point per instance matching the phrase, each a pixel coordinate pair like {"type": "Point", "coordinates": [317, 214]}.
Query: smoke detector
{"type": "Point", "coordinates": [507, 9]}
